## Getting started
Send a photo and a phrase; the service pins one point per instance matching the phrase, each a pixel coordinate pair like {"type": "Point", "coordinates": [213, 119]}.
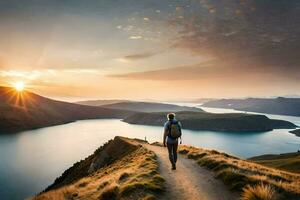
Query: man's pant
{"type": "Point", "coordinates": [172, 149]}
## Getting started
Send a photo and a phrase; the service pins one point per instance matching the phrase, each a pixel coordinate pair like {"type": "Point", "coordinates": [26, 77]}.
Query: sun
{"type": "Point", "coordinates": [19, 86]}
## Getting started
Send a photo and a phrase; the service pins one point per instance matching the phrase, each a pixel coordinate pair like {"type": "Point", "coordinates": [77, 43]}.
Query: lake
{"type": "Point", "coordinates": [31, 160]}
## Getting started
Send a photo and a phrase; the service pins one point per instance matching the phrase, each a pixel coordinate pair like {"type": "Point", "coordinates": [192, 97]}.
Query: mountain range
{"type": "Point", "coordinates": [279, 106]}
{"type": "Point", "coordinates": [26, 110]}
{"type": "Point", "coordinates": [140, 106]}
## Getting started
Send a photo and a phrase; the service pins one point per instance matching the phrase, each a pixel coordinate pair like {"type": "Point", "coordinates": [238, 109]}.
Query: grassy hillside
{"type": "Point", "coordinates": [124, 169]}
{"type": "Point", "coordinates": [121, 169]}
{"type": "Point", "coordinates": [280, 105]}
{"type": "Point", "coordinates": [288, 161]}
{"type": "Point", "coordinates": [253, 181]}
{"type": "Point", "coordinates": [296, 132]}
{"type": "Point", "coordinates": [143, 106]}
{"type": "Point", "coordinates": [238, 122]}
{"type": "Point", "coordinates": [26, 110]}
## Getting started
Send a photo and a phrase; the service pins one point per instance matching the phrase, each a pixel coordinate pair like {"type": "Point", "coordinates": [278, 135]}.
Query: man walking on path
{"type": "Point", "coordinates": [172, 131]}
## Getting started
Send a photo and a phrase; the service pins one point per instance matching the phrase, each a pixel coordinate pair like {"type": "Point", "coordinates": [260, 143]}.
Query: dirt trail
{"type": "Point", "coordinates": [189, 181]}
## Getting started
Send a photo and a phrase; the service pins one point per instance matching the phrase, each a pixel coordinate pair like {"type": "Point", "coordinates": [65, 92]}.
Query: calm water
{"type": "Point", "coordinates": [31, 160]}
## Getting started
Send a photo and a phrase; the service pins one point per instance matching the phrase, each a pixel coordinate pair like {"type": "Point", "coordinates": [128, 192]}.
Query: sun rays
{"type": "Point", "coordinates": [18, 98]}
{"type": "Point", "coordinates": [19, 86]}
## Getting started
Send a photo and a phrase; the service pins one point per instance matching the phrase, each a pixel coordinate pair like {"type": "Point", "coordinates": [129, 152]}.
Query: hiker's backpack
{"type": "Point", "coordinates": [174, 129]}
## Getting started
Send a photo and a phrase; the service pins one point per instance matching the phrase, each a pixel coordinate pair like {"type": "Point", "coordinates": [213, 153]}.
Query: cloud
{"type": "Point", "coordinates": [139, 56]}
{"type": "Point", "coordinates": [21, 74]}
{"type": "Point", "coordinates": [215, 69]}
{"type": "Point", "coordinates": [190, 72]}
{"type": "Point", "coordinates": [42, 73]}
{"type": "Point", "coordinates": [135, 37]}
{"type": "Point", "coordinates": [265, 32]}
{"type": "Point", "coordinates": [170, 74]}
{"type": "Point", "coordinates": [82, 71]}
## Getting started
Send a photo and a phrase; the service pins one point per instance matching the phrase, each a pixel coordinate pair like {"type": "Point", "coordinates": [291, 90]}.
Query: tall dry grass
{"type": "Point", "coordinates": [259, 192]}
{"type": "Point", "coordinates": [242, 175]}
{"type": "Point", "coordinates": [135, 176]}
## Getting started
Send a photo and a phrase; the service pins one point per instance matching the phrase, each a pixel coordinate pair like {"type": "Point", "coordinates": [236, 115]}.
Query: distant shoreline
{"type": "Point", "coordinates": [278, 106]}
{"type": "Point", "coordinates": [226, 122]}
{"type": "Point", "coordinates": [248, 111]}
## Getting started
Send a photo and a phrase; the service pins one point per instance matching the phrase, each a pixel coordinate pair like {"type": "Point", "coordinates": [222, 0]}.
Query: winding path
{"type": "Point", "coordinates": [189, 181]}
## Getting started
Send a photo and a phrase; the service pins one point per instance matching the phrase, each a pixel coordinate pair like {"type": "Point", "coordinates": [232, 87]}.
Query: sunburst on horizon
{"type": "Point", "coordinates": [19, 86]}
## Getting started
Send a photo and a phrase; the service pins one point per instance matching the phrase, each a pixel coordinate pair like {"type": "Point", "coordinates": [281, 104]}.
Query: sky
{"type": "Point", "coordinates": [151, 49]}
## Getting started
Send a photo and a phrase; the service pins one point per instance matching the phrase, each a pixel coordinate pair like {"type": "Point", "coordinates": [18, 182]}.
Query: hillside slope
{"type": "Point", "coordinates": [280, 105]}
{"type": "Point", "coordinates": [26, 110]}
{"type": "Point", "coordinates": [236, 122]}
{"type": "Point", "coordinates": [143, 106]}
{"type": "Point", "coordinates": [121, 169]}
{"type": "Point", "coordinates": [133, 169]}
{"type": "Point", "coordinates": [151, 107]}
{"type": "Point", "coordinates": [100, 102]}
{"type": "Point", "coordinates": [287, 161]}
{"type": "Point", "coordinates": [251, 180]}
